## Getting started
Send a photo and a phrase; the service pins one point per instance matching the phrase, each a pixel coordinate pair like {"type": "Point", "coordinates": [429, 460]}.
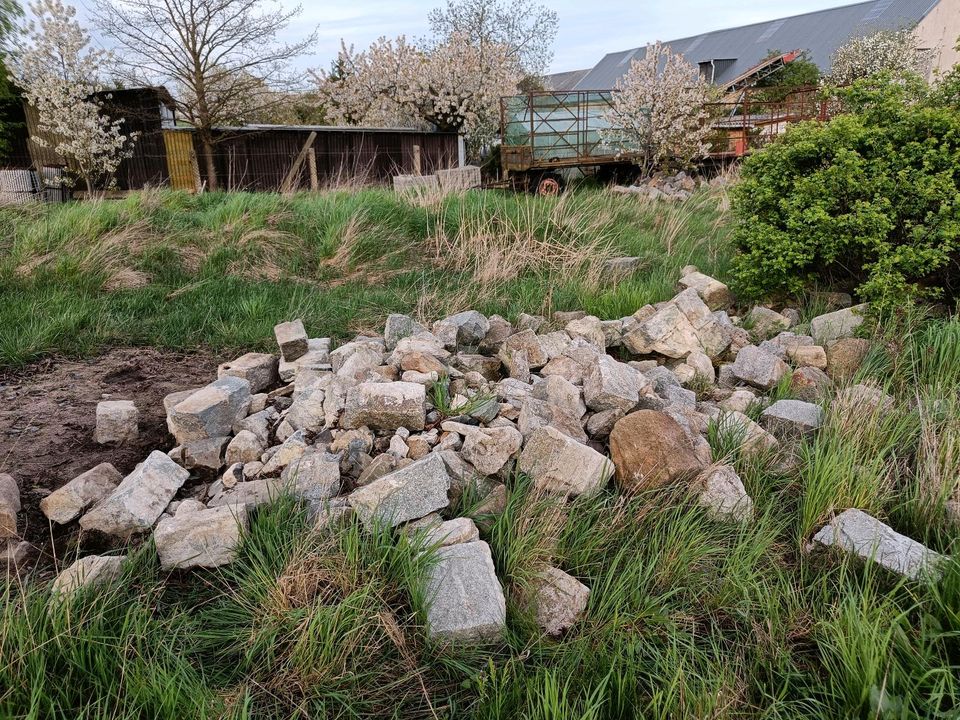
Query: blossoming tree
{"type": "Point", "coordinates": [454, 85]}
{"type": "Point", "coordinates": [658, 113]}
{"type": "Point", "coordinates": [58, 73]}
{"type": "Point", "coordinates": [891, 51]}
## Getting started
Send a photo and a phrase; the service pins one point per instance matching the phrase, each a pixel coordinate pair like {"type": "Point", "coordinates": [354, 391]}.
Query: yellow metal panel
{"type": "Point", "coordinates": [181, 160]}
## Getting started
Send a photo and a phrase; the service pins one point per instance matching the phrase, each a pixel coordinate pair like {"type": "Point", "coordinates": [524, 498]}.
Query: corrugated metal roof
{"type": "Point", "coordinates": [820, 33]}
{"type": "Point", "coordinates": [564, 80]}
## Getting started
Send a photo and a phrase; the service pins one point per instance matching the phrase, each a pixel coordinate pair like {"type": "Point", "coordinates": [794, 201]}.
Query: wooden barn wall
{"type": "Point", "coordinates": [140, 112]}
{"type": "Point", "coordinates": [261, 159]}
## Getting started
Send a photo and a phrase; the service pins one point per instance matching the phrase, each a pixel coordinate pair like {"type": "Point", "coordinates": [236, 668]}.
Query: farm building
{"type": "Point", "coordinates": [252, 157]}
{"type": "Point", "coordinates": [726, 55]}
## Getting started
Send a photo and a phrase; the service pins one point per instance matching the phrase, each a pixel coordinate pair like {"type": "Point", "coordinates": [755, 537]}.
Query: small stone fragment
{"type": "Point", "coordinates": [840, 324]}
{"type": "Point", "coordinates": [759, 368]}
{"type": "Point", "coordinates": [453, 532]}
{"type": "Point", "coordinates": [9, 506]}
{"type": "Point", "coordinates": [724, 496]}
{"type": "Point", "coordinates": [560, 599]}
{"type": "Point", "coordinates": [789, 419]}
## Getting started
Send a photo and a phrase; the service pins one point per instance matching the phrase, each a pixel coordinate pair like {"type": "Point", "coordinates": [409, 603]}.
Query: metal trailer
{"type": "Point", "coordinates": [544, 132]}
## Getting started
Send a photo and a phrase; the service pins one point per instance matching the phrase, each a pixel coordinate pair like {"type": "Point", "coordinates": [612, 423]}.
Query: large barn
{"type": "Point", "coordinates": [725, 55]}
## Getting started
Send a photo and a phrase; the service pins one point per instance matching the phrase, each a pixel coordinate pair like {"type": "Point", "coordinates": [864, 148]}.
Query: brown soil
{"type": "Point", "coordinates": [48, 415]}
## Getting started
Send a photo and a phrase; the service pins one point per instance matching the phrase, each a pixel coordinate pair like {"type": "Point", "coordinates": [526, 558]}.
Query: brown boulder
{"type": "Point", "coordinates": [845, 356]}
{"type": "Point", "coordinates": [650, 449]}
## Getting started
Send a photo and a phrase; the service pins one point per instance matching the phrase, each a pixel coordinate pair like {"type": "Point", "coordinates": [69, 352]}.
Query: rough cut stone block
{"type": "Point", "coordinates": [466, 601]}
{"type": "Point", "coordinates": [489, 449]}
{"type": "Point", "coordinates": [202, 538]}
{"type": "Point", "coordinates": [399, 327]}
{"type": "Point", "coordinates": [292, 339]}
{"type": "Point", "coordinates": [560, 600]}
{"type": "Point", "coordinates": [415, 183]}
{"type": "Point", "coordinates": [211, 411]}
{"type": "Point", "coordinates": [792, 418]}
{"type": "Point", "coordinates": [313, 476]}
{"type": "Point", "coordinates": [458, 179]}
{"type": "Point", "coordinates": [385, 406]}
{"type": "Point", "coordinates": [9, 506]}
{"type": "Point", "coordinates": [87, 572]}
{"type": "Point", "coordinates": [861, 534]}
{"type": "Point", "coordinates": [258, 369]}
{"type": "Point", "coordinates": [681, 326]}
{"type": "Point", "coordinates": [612, 385]}
{"type": "Point", "coordinates": [139, 499]}
{"type": "Point", "coordinates": [117, 422]}
{"type": "Point", "coordinates": [453, 532]}
{"type": "Point", "coordinates": [759, 368]}
{"type": "Point", "coordinates": [836, 325]}
{"type": "Point", "coordinates": [68, 502]}
{"type": "Point", "coordinates": [405, 494]}
{"type": "Point", "coordinates": [560, 465]}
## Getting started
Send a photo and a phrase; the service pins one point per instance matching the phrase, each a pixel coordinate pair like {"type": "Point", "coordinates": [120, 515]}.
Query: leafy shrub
{"type": "Point", "coordinates": [869, 200]}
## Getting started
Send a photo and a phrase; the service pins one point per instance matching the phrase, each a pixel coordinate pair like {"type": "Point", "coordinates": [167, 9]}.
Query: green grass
{"type": "Point", "coordinates": [222, 269]}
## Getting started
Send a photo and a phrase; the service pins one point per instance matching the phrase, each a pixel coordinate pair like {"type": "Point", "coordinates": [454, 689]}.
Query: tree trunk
{"type": "Point", "coordinates": [210, 164]}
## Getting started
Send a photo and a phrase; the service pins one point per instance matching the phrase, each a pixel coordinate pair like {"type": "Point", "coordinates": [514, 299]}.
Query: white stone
{"type": "Point", "coordinates": [724, 496]}
{"type": "Point", "coordinates": [465, 597]}
{"type": "Point", "coordinates": [139, 499]}
{"type": "Point", "coordinates": [88, 571]}
{"type": "Point", "coordinates": [559, 465]}
{"type": "Point", "coordinates": [68, 502]}
{"type": "Point", "coordinates": [405, 494]}
{"type": "Point", "coordinates": [836, 325]}
{"type": "Point", "coordinates": [854, 531]}
{"type": "Point", "coordinates": [117, 422]}
{"type": "Point", "coordinates": [202, 538]}
{"type": "Point", "coordinates": [560, 600]}
{"type": "Point", "coordinates": [258, 369]}
{"type": "Point", "coordinates": [292, 339]}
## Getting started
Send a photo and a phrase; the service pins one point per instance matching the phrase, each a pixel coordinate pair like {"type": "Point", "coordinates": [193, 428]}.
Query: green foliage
{"type": "Point", "coordinates": [868, 200]}
{"type": "Point", "coordinates": [800, 73]}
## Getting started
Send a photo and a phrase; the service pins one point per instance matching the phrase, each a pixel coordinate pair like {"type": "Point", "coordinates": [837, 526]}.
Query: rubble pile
{"type": "Point", "coordinates": [390, 430]}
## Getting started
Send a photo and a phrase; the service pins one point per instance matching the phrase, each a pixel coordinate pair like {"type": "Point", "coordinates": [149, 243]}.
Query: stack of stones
{"type": "Point", "coordinates": [389, 430]}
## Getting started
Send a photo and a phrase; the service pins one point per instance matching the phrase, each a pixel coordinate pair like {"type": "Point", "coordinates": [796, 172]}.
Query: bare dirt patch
{"type": "Point", "coordinates": [48, 415]}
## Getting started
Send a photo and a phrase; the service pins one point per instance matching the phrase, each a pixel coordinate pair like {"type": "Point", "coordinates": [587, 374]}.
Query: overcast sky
{"type": "Point", "coordinates": [588, 28]}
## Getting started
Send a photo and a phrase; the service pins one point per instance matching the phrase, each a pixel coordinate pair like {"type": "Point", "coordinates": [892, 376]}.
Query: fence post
{"type": "Point", "coordinates": [417, 166]}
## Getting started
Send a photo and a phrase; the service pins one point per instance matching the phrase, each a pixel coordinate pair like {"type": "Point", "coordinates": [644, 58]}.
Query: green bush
{"type": "Point", "coordinates": [869, 201]}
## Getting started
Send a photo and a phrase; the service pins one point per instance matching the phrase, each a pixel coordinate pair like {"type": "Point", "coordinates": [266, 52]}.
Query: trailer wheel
{"type": "Point", "coordinates": [549, 185]}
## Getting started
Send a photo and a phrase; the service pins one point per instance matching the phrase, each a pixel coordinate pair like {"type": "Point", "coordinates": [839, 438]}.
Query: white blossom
{"type": "Point", "coordinates": [454, 85]}
{"type": "Point", "coordinates": [892, 51]}
{"type": "Point", "coordinates": [58, 73]}
{"type": "Point", "coordinates": [658, 112]}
